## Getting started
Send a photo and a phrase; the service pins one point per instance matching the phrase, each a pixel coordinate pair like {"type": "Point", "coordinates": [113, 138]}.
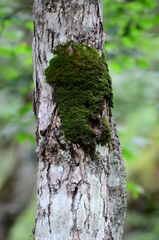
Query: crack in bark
{"type": "Point", "coordinates": [50, 193]}
{"type": "Point", "coordinates": [74, 210]}
{"type": "Point", "coordinates": [83, 8]}
{"type": "Point", "coordinates": [87, 217]}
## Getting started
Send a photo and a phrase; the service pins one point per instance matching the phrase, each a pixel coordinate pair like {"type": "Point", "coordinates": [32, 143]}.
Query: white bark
{"type": "Point", "coordinates": [78, 198]}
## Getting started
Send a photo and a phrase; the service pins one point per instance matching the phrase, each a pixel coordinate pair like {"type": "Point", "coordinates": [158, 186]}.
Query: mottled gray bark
{"type": "Point", "coordinates": [78, 197]}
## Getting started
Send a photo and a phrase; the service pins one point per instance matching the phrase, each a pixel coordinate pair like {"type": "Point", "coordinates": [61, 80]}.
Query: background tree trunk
{"type": "Point", "coordinates": [76, 199]}
{"type": "Point", "coordinates": [18, 189]}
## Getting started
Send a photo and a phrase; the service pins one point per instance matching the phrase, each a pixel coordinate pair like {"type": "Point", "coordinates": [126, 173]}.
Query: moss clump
{"type": "Point", "coordinates": [81, 82]}
{"type": "Point", "coordinates": [106, 135]}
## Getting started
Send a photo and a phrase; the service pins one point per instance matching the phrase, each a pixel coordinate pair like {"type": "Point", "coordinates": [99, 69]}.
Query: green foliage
{"type": "Point", "coordinates": [131, 30]}
{"type": "Point", "coordinates": [81, 82]}
{"type": "Point", "coordinates": [135, 189]}
{"type": "Point", "coordinates": [16, 118]}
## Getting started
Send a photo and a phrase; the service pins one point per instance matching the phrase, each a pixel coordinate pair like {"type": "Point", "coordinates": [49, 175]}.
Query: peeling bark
{"type": "Point", "coordinates": [78, 197]}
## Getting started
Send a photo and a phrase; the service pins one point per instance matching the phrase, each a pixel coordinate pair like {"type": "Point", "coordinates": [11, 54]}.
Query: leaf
{"type": "Point", "coordinates": [22, 137]}
{"type": "Point", "coordinates": [135, 189]}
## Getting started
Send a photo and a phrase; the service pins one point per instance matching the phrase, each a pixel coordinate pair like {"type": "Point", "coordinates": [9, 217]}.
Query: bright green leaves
{"type": "Point", "coordinates": [16, 74]}
{"type": "Point", "coordinates": [80, 82]}
{"type": "Point", "coordinates": [131, 28]}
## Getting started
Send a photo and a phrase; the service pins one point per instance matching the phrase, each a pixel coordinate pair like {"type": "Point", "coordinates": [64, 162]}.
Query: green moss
{"type": "Point", "coordinates": [81, 82]}
{"type": "Point", "coordinates": [106, 135]}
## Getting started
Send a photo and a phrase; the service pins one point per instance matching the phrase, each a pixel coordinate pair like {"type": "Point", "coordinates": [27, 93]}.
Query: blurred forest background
{"type": "Point", "coordinates": [132, 50]}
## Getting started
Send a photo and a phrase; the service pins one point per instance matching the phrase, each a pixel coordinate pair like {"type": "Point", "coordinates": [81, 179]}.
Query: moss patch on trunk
{"type": "Point", "coordinates": [81, 81]}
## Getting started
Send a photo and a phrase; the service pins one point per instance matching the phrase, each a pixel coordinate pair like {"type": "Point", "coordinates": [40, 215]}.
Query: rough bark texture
{"type": "Point", "coordinates": [78, 197]}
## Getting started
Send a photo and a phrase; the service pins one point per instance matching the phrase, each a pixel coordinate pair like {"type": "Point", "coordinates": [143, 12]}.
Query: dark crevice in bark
{"type": "Point", "coordinates": [83, 12]}
{"type": "Point", "coordinates": [34, 103]}
{"type": "Point", "coordinates": [86, 223]}
{"type": "Point", "coordinates": [77, 188]}
{"type": "Point", "coordinates": [75, 191]}
{"type": "Point", "coordinates": [44, 57]}
{"type": "Point", "coordinates": [52, 42]}
{"type": "Point", "coordinates": [50, 195]}
{"type": "Point", "coordinates": [63, 6]}
{"type": "Point", "coordinates": [110, 233]}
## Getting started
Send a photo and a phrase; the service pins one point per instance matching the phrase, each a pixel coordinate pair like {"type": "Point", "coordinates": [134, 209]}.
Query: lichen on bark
{"type": "Point", "coordinates": [81, 82]}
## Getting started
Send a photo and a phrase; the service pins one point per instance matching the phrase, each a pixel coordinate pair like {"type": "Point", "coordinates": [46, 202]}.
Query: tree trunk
{"type": "Point", "coordinates": [81, 195]}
